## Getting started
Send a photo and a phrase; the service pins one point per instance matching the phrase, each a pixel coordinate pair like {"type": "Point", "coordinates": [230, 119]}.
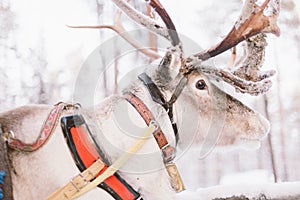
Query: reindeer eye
{"type": "Point", "coordinates": [201, 85]}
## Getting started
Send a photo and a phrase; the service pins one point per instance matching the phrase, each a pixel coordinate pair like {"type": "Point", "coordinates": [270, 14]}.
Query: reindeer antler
{"type": "Point", "coordinates": [157, 6]}
{"type": "Point", "coordinates": [253, 21]}
{"type": "Point", "coordinates": [169, 32]}
{"type": "Point", "coordinates": [142, 19]}
{"type": "Point", "coordinates": [120, 30]}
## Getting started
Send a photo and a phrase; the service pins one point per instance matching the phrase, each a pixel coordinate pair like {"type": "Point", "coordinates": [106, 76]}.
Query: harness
{"type": "Point", "coordinates": [89, 157]}
{"type": "Point", "coordinates": [45, 132]}
{"type": "Point", "coordinates": [168, 152]}
{"type": "Point", "coordinates": [158, 97]}
{"type": "Point", "coordinates": [85, 152]}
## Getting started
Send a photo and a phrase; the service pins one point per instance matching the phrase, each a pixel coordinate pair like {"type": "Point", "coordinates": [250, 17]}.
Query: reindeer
{"type": "Point", "coordinates": [185, 96]}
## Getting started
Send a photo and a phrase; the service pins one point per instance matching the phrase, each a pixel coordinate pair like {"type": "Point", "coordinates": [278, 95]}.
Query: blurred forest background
{"type": "Point", "coordinates": [40, 58]}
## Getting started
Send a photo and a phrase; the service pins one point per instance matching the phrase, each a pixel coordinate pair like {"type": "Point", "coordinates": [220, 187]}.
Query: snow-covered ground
{"type": "Point", "coordinates": [270, 190]}
{"type": "Point", "coordinates": [251, 184]}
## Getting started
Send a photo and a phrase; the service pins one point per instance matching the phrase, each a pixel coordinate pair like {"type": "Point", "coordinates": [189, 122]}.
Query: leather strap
{"type": "Point", "coordinates": [45, 132]}
{"type": "Point", "coordinates": [99, 172]}
{"type": "Point", "coordinates": [78, 182]}
{"type": "Point", "coordinates": [85, 151]}
{"type": "Point", "coordinates": [167, 150]}
{"type": "Point", "coordinates": [155, 93]}
{"type": "Point", "coordinates": [111, 170]}
{"type": "Point", "coordinates": [159, 98]}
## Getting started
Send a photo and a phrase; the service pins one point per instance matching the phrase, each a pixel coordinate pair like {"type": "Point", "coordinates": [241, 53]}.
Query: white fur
{"type": "Point", "coordinates": [36, 175]}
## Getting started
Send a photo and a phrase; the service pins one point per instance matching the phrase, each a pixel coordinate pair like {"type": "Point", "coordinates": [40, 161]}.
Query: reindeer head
{"type": "Point", "coordinates": [205, 114]}
{"type": "Point", "coordinates": [221, 119]}
{"type": "Point", "coordinates": [187, 82]}
{"type": "Point", "coordinates": [202, 107]}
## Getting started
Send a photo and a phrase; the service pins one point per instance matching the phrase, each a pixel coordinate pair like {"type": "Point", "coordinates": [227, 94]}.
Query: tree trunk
{"type": "Point", "coordinates": [270, 142]}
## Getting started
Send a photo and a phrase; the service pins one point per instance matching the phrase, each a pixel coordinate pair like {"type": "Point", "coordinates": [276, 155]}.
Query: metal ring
{"type": "Point", "coordinates": [11, 134]}
{"type": "Point", "coordinates": [162, 111]}
{"type": "Point", "coordinates": [154, 123]}
{"type": "Point", "coordinates": [8, 136]}
{"type": "Point", "coordinates": [77, 105]}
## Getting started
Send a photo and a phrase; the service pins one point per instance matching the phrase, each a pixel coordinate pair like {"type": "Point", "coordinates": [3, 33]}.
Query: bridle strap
{"type": "Point", "coordinates": [159, 98]}
{"type": "Point", "coordinates": [180, 86]}
{"type": "Point", "coordinates": [167, 150]}
{"type": "Point", "coordinates": [154, 91]}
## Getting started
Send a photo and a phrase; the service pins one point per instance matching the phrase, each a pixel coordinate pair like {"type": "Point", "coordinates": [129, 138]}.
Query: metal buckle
{"type": "Point", "coordinates": [175, 178]}
{"type": "Point", "coordinates": [155, 124]}
{"type": "Point", "coordinates": [69, 106]}
{"type": "Point", "coordinates": [7, 136]}
{"type": "Point", "coordinates": [139, 198]}
{"type": "Point", "coordinates": [82, 178]}
{"type": "Point", "coordinates": [168, 153]}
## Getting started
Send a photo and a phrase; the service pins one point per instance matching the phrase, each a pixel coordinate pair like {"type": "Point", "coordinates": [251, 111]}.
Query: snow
{"type": "Point", "coordinates": [270, 190]}
{"type": "Point", "coordinates": [250, 184]}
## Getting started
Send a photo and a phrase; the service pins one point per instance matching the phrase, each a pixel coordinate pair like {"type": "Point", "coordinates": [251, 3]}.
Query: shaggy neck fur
{"type": "Point", "coordinates": [145, 170]}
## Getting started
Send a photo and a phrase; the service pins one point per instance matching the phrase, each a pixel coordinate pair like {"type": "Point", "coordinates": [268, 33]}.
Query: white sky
{"type": "Point", "coordinates": [50, 18]}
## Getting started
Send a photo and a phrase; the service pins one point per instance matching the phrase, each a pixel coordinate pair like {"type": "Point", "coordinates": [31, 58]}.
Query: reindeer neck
{"type": "Point", "coordinates": [140, 90]}
{"type": "Point", "coordinates": [160, 98]}
{"type": "Point", "coordinates": [168, 150]}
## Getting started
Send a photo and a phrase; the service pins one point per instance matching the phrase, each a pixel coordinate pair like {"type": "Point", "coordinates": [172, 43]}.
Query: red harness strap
{"type": "Point", "coordinates": [45, 133]}
{"type": "Point", "coordinates": [85, 152]}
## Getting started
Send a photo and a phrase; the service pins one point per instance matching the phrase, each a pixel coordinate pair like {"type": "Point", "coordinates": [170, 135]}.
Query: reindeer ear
{"type": "Point", "coordinates": [169, 66]}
